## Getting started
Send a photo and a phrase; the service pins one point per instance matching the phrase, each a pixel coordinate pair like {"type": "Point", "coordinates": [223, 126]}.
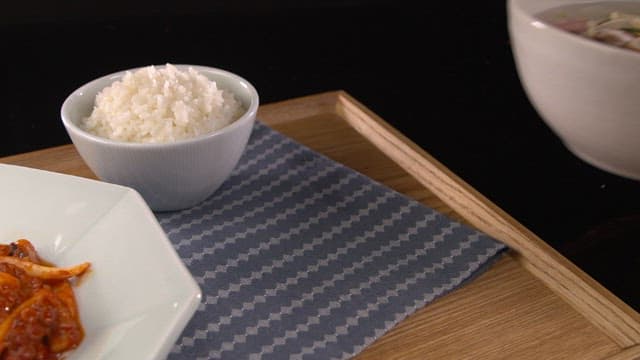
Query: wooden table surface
{"type": "Point", "coordinates": [532, 304]}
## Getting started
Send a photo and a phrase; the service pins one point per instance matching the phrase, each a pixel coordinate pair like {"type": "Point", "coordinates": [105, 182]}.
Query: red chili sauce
{"type": "Point", "coordinates": [38, 316]}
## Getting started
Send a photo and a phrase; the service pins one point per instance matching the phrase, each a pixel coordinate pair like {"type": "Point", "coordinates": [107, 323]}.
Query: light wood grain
{"type": "Point", "coordinates": [531, 304]}
{"type": "Point", "coordinates": [63, 159]}
{"type": "Point", "coordinates": [619, 321]}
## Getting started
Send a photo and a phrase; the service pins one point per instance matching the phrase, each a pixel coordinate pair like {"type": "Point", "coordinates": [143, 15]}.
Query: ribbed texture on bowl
{"type": "Point", "coordinates": [170, 176]}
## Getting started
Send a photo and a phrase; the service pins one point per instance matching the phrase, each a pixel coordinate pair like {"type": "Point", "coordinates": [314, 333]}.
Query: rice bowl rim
{"type": "Point", "coordinates": [248, 115]}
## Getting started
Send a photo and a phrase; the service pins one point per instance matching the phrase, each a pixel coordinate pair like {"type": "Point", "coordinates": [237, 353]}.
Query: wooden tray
{"type": "Point", "coordinates": [532, 304]}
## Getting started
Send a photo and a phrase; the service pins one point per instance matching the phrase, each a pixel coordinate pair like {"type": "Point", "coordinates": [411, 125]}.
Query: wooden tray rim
{"type": "Point", "coordinates": [605, 310]}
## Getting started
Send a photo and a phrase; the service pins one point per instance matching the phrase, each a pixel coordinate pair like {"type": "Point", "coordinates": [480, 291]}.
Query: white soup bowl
{"type": "Point", "coordinates": [586, 91]}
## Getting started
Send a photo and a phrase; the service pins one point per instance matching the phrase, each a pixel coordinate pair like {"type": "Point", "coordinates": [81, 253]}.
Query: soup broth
{"type": "Point", "coordinates": [615, 23]}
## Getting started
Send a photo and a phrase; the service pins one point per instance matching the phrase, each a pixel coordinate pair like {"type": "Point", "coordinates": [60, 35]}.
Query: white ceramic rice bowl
{"type": "Point", "coordinates": [169, 176]}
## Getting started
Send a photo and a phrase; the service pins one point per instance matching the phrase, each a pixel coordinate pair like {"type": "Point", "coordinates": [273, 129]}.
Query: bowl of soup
{"type": "Point", "coordinates": [579, 65]}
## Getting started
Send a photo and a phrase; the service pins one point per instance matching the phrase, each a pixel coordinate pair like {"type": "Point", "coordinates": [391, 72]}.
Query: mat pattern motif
{"type": "Point", "coordinates": [299, 257]}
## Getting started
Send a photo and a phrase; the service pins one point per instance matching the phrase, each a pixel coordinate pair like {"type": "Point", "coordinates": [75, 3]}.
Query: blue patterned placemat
{"type": "Point", "coordinates": [300, 257]}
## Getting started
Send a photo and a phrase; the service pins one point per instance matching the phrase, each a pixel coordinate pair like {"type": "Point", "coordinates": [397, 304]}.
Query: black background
{"type": "Point", "coordinates": [441, 73]}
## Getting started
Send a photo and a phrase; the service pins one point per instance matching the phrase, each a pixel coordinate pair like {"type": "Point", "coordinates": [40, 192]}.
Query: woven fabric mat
{"type": "Point", "coordinates": [300, 257]}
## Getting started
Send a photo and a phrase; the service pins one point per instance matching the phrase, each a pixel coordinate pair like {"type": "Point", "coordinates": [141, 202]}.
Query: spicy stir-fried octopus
{"type": "Point", "coordinates": [38, 310]}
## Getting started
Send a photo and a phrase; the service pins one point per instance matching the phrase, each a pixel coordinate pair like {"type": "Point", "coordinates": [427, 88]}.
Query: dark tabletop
{"type": "Point", "coordinates": [441, 74]}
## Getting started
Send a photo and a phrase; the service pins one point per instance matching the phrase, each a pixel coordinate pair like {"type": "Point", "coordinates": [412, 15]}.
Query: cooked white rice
{"type": "Point", "coordinates": [158, 105]}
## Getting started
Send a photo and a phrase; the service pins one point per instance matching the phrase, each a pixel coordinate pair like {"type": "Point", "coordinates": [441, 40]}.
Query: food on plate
{"type": "Point", "coordinates": [39, 316]}
{"type": "Point", "coordinates": [602, 22]}
{"type": "Point", "coordinates": [161, 104]}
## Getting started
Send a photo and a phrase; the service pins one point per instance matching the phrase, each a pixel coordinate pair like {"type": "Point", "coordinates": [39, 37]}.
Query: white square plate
{"type": "Point", "coordinates": [138, 296]}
